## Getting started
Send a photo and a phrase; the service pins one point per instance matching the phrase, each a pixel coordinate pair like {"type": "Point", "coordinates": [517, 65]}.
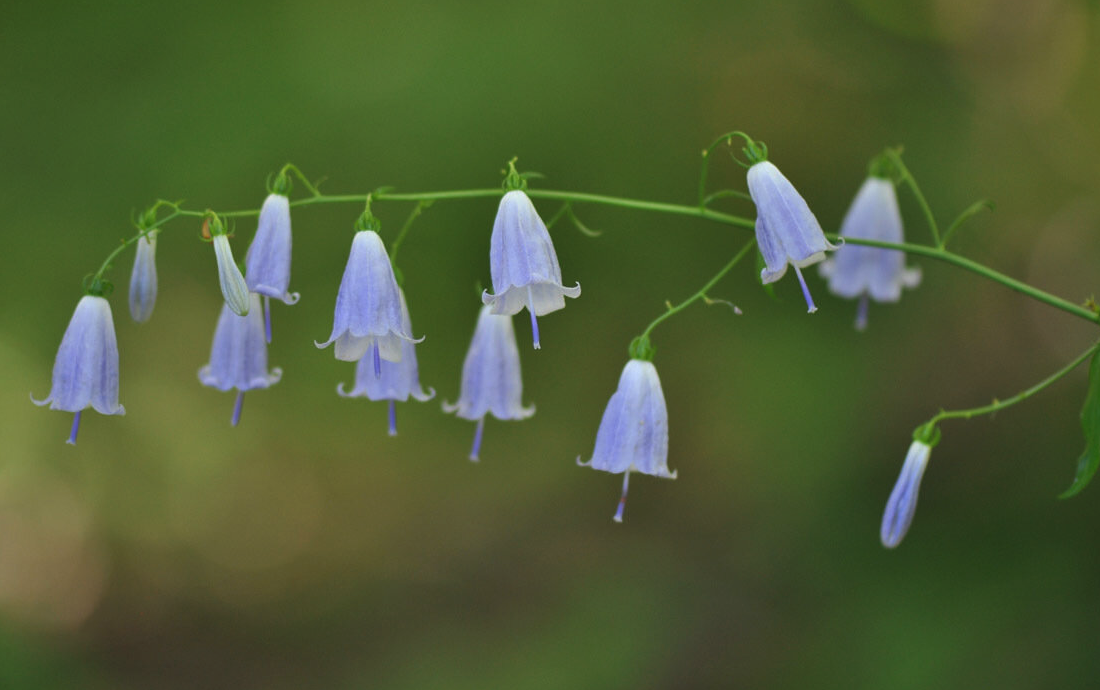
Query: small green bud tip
{"type": "Point", "coordinates": [282, 184]}
{"type": "Point", "coordinates": [641, 348]}
{"type": "Point", "coordinates": [512, 179]}
{"type": "Point", "coordinates": [882, 166]}
{"type": "Point", "coordinates": [928, 434]}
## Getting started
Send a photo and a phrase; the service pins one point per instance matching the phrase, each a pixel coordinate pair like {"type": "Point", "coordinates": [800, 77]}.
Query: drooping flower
{"type": "Point", "coordinates": [903, 499]}
{"type": "Point", "coordinates": [871, 272]}
{"type": "Point", "coordinates": [394, 381]}
{"type": "Point", "coordinates": [523, 263]}
{"type": "Point", "coordinates": [786, 230]}
{"type": "Point", "coordinates": [238, 356]}
{"type": "Point", "coordinates": [368, 308]}
{"type": "Point", "coordinates": [85, 372]}
{"type": "Point", "coordinates": [633, 434]}
{"type": "Point", "coordinates": [491, 382]}
{"type": "Point", "coordinates": [234, 289]}
{"type": "Point", "coordinates": [143, 279]}
{"type": "Point", "coordinates": [267, 263]}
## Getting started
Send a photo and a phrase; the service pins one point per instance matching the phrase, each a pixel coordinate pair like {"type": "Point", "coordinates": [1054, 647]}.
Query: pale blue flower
{"type": "Point", "coordinates": [238, 356]}
{"type": "Point", "coordinates": [903, 499]}
{"type": "Point", "coordinates": [633, 434]}
{"type": "Point", "coordinates": [392, 381]}
{"type": "Point", "coordinates": [143, 279]}
{"type": "Point", "coordinates": [267, 263]}
{"type": "Point", "coordinates": [871, 272]}
{"type": "Point", "coordinates": [85, 372]}
{"type": "Point", "coordinates": [786, 230]}
{"type": "Point", "coordinates": [234, 289]}
{"type": "Point", "coordinates": [523, 263]}
{"type": "Point", "coordinates": [491, 382]}
{"type": "Point", "coordinates": [368, 308]}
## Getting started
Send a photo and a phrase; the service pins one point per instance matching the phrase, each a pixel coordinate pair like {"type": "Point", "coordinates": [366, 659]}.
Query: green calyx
{"type": "Point", "coordinates": [928, 434]}
{"type": "Point", "coordinates": [512, 179]}
{"type": "Point", "coordinates": [641, 348]}
{"type": "Point", "coordinates": [883, 167]}
{"type": "Point", "coordinates": [366, 220]}
{"type": "Point", "coordinates": [213, 224]}
{"type": "Point", "coordinates": [282, 183]}
{"type": "Point", "coordinates": [97, 286]}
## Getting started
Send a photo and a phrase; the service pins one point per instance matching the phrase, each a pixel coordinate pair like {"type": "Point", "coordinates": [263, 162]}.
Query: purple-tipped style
{"type": "Point", "coordinates": [85, 372]}
{"type": "Point", "coordinates": [393, 381]}
{"type": "Point", "coordinates": [234, 289]}
{"type": "Point", "coordinates": [267, 263]}
{"type": "Point", "coordinates": [633, 434]}
{"type": "Point", "coordinates": [523, 263]}
{"type": "Point", "coordinates": [238, 356]}
{"type": "Point", "coordinates": [368, 308]}
{"type": "Point", "coordinates": [143, 279]}
{"type": "Point", "coordinates": [903, 499]}
{"type": "Point", "coordinates": [869, 272]}
{"type": "Point", "coordinates": [491, 382]}
{"type": "Point", "coordinates": [786, 230]}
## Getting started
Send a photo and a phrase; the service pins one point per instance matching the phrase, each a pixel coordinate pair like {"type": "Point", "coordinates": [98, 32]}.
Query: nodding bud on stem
{"type": "Point", "coordinates": [232, 282]}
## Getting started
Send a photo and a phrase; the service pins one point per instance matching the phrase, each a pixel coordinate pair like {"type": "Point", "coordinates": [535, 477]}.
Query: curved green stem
{"type": "Point", "coordinates": [1019, 397]}
{"type": "Point", "coordinates": [907, 178]}
{"type": "Point", "coordinates": [702, 292]}
{"type": "Point", "coordinates": [413, 215]}
{"type": "Point", "coordinates": [982, 270]}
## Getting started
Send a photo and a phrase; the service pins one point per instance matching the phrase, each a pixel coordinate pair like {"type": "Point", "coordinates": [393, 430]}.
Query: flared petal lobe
{"type": "Point", "coordinates": [491, 380]}
{"type": "Point", "coordinates": [633, 434]}
{"type": "Point", "coordinates": [143, 279]}
{"type": "Point", "coordinates": [238, 355]}
{"type": "Point", "coordinates": [394, 380]}
{"type": "Point", "coordinates": [902, 504]}
{"type": "Point", "coordinates": [85, 372]}
{"type": "Point", "coordinates": [267, 263]}
{"type": "Point", "coordinates": [233, 286]}
{"type": "Point", "coordinates": [855, 270]}
{"type": "Point", "coordinates": [368, 308]}
{"type": "Point", "coordinates": [523, 263]}
{"type": "Point", "coordinates": [787, 232]}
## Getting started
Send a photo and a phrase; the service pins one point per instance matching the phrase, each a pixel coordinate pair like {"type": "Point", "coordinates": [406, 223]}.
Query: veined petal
{"type": "Point", "coordinates": [368, 308]}
{"type": "Point", "coordinates": [394, 380]}
{"type": "Point", "coordinates": [85, 371]}
{"type": "Point", "coordinates": [238, 355]}
{"type": "Point", "coordinates": [491, 380]}
{"type": "Point", "coordinates": [267, 263]}
{"type": "Point", "coordinates": [234, 289]}
{"type": "Point", "coordinates": [786, 229]}
{"type": "Point", "coordinates": [143, 279]}
{"type": "Point", "coordinates": [902, 504]}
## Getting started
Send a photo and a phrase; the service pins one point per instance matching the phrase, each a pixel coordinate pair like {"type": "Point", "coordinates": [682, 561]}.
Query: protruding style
{"type": "Point", "coordinates": [143, 279]}
{"type": "Point", "coordinates": [786, 230]}
{"type": "Point", "coordinates": [903, 499]}
{"type": "Point", "coordinates": [85, 371]}
{"type": "Point", "coordinates": [368, 308]}
{"type": "Point", "coordinates": [267, 263]}
{"type": "Point", "coordinates": [392, 381]}
{"type": "Point", "coordinates": [863, 272]}
{"type": "Point", "coordinates": [523, 263]}
{"type": "Point", "coordinates": [491, 382]}
{"type": "Point", "coordinates": [633, 434]}
{"type": "Point", "coordinates": [238, 356]}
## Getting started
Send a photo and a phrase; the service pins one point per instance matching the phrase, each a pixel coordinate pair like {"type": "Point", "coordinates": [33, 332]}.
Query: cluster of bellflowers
{"type": "Point", "coordinates": [372, 326]}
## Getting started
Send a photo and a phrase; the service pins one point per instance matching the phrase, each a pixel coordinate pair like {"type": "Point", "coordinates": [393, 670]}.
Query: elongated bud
{"type": "Point", "coordinates": [143, 279]}
{"type": "Point", "coordinates": [234, 289]}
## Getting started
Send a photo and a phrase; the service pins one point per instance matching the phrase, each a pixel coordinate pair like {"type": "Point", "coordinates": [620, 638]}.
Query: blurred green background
{"type": "Point", "coordinates": [306, 549]}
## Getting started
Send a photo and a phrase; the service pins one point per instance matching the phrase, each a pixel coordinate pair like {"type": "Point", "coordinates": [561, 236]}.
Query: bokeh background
{"type": "Point", "coordinates": [306, 549]}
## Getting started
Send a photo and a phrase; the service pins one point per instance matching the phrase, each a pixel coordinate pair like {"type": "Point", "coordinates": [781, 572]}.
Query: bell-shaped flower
{"type": "Point", "coordinates": [267, 263]}
{"type": "Point", "coordinates": [903, 499]}
{"type": "Point", "coordinates": [523, 263]}
{"type": "Point", "coordinates": [870, 272]}
{"type": "Point", "coordinates": [85, 372]}
{"type": "Point", "coordinates": [491, 382]}
{"type": "Point", "coordinates": [786, 230]}
{"type": "Point", "coordinates": [234, 289]}
{"type": "Point", "coordinates": [392, 381]}
{"type": "Point", "coordinates": [143, 279]}
{"type": "Point", "coordinates": [238, 356]}
{"type": "Point", "coordinates": [368, 308]}
{"type": "Point", "coordinates": [633, 434]}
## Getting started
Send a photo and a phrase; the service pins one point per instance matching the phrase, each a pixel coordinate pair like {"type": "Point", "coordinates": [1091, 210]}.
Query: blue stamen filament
{"type": "Point", "coordinates": [622, 500]}
{"type": "Point", "coordinates": [811, 307]}
{"type": "Point", "coordinates": [267, 319]}
{"type": "Point", "coordinates": [76, 428]}
{"type": "Point", "coordinates": [861, 312]}
{"type": "Point", "coordinates": [477, 440]}
{"type": "Point", "coordinates": [393, 419]}
{"type": "Point", "coordinates": [534, 321]}
{"type": "Point", "coordinates": [377, 362]}
{"type": "Point", "coordinates": [237, 408]}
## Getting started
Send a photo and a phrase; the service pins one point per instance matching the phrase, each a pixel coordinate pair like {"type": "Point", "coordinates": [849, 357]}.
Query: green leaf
{"type": "Point", "coordinates": [1089, 461]}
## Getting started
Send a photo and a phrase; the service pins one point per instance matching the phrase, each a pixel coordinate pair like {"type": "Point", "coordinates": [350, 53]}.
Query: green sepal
{"type": "Point", "coordinates": [1089, 461]}
{"type": "Point", "coordinates": [641, 348]}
